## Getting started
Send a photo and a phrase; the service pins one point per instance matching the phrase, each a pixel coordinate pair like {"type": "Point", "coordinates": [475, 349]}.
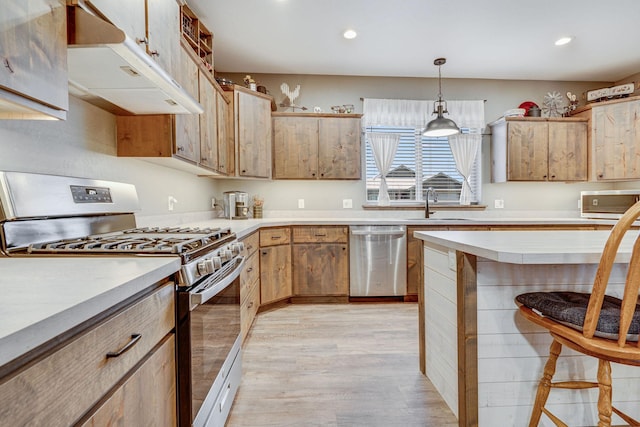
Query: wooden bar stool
{"type": "Point", "coordinates": [593, 324]}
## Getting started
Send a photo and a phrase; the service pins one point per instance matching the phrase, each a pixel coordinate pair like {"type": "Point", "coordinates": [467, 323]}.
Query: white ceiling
{"type": "Point", "coordinates": [492, 39]}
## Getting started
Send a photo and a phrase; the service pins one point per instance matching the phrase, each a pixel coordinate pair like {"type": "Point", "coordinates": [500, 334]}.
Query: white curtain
{"type": "Point", "coordinates": [465, 148]}
{"type": "Point", "coordinates": [417, 113]}
{"type": "Point", "coordinates": [384, 147]}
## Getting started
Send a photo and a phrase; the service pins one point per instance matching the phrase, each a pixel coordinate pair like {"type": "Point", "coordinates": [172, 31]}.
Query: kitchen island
{"type": "Point", "coordinates": [481, 355]}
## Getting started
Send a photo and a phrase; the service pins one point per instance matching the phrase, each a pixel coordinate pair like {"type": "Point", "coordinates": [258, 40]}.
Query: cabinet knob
{"type": "Point", "coordinates": [203, 159]}
{"type": "Point", "coordinates": [154, 53]}
{"type": "Point", "coordinates": [181, 148]}
{"type": "Point", "coordinates": [553, 176]}
{"type": "Point", "coordinates": [142, 40]}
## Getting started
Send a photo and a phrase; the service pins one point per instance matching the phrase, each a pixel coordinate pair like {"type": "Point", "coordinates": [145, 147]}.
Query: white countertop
{"type": "Point", "coordinates": [247, 226]}
{"type": "Point", "coordinates": [43, 297]}
{"type": "Point", "coordinates": [532, 247]}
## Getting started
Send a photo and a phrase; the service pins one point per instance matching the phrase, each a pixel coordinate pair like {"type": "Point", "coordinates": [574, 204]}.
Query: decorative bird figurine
{"type": "Point", "coordinates": [290, 97]}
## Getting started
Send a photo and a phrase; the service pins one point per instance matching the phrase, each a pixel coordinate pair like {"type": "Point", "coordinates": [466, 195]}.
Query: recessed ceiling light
{"type": "Point", "coordinates": [349, 34]}
{"type": "Point", "coordinates": [563, 40]}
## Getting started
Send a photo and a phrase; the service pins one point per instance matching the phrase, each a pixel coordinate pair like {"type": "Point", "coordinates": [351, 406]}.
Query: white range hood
{"type": "Point", "coordinates": [108, 69]}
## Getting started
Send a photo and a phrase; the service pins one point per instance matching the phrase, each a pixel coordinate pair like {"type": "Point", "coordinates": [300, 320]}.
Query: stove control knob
{"type": "Point", "coordinates": [205, 267]}
{"type": "Point", "coordinates": [226, 254]}
{"type": "Point", "coordinates": [237, 248]}
{"type": "Point", "coordinates": [217, 262]}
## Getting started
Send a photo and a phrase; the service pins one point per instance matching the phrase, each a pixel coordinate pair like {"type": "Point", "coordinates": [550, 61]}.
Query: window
{"type": "Point", "coordinates": [420, 163]}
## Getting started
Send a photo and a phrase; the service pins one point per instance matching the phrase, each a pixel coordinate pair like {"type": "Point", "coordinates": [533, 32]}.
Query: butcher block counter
{"type": "Point", "coordinates": [481, 355]}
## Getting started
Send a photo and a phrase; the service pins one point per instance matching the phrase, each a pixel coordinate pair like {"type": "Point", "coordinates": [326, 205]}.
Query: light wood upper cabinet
{"type": "Point", "coordinates": [616, 140]}
{"type": "Point", "coordinates": [163, 34]}
{"type": "Point", "coordinates": [208, 124]}
{"type": "Point", "coordinates": [128, 15]}
{"type": "Point", "coordinates": [153, 24]}
{"type": "Point", "coordinates": [252, 132]}
{"type": "Point", "coordinates": [187, 125]}
{"type": "Point", "coordinates": [316, 146]}
{"type": "Point", "coordinates": [295, 147]}
{"type": "Point", "coordinates": [538, 149]}
{"type": "Point", "coordinates": [226, 145]}
{"type": "Point", "coordinates": [33, 59]}
{"type": "Point", "coordinates": [339, 148]}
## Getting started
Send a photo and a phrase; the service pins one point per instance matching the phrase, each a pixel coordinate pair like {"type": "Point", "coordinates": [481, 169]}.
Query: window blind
{"type": "Point", "coordinates": [420, 163]}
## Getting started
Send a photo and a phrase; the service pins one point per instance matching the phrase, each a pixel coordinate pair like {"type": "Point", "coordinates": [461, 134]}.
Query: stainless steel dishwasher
{"type": "Point", "coordinates": [378, 260]}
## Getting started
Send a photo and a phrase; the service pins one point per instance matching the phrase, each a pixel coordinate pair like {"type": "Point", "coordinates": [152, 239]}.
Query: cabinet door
{"type": "Point", "coordinates": [33, 51]}
{"type": "Point", "coordinates": [414, 262]}
{"type": "Point", "coordinates": [528, 151]}
{"type": "Point", "coordinates": [295, 148]}
{"type": "Point", "coordinates": [567, 151]}
{"type": "Point", "coordinates": [128, 15]}
{"type": "Point", "coordinates": [339, 148]}
{"type": "Point", "coordinates": [320, 269]}
{"type": "Point", "coordinates": [163, 29]}
{"type": "Point", "coordinates": [253, 124]}
{"type": "Point", "coordinates": [275, 273]}
{"type": "Point", "coordinates": [187, 125]}
{"type": "Point", "coordinates": [226, 150]}
{"type": "Point", "coordinates": [616, 140]}
{"type": "Point", "coordinates": [208, 124]}
{"type": "Point", "coordinates": [147, 398]}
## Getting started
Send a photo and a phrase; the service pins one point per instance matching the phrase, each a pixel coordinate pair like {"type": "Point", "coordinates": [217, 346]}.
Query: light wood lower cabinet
{"type": "Point", "coordinates": [320, 261]}
{"type": "Point", "coordinates": [250, 283]}
{"type": "Point", "coordinates": [275, 264]}
{"type": "Point", "coordinates": [64, 386]}
{"type": "Point", "coordinates": [147, 398]}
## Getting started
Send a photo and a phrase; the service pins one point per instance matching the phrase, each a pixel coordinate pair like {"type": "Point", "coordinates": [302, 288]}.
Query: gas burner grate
{"type": "Point", "coordinates": [181, 230]}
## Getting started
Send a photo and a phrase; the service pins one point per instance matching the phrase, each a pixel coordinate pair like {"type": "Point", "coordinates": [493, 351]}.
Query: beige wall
{"type": "Point", "coordinates": [500, 95]}
{"type": "Point", "coordinates": [85, 145]}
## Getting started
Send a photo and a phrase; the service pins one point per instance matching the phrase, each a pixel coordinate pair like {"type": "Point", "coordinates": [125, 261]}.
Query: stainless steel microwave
{"type": "Point", "coordinates": [610, 204]}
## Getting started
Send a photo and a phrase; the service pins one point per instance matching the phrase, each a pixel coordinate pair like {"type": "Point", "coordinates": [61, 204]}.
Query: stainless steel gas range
{"type": "Point", "coordinates": [47, 215]}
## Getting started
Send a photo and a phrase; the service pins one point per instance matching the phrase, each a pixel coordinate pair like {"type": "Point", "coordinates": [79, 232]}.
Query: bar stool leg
{"type": "Point", "coordinates": [545, 383]}
{"type": "Point", "coordinates": [604, 395]}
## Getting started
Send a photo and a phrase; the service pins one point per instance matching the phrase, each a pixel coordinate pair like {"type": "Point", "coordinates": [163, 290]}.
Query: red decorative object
{"type": "Point", "coordinates": [526, 105]}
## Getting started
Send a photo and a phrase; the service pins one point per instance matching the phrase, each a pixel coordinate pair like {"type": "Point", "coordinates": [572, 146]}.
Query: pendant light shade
{"type": "Point", "coordinates": [440, 126]}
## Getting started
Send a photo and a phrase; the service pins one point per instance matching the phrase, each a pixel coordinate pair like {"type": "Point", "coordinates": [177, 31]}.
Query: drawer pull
{"type": "Point", "coordinates": [250, 304]}
{"type": "Point", "coordinates": [276, 237]}
{"type": "Point", "coordinates": [321, 234]}
{"type": "Point", "coordinates": [134, 339]}
{"type": "Point", "coordinates": [249, 270]}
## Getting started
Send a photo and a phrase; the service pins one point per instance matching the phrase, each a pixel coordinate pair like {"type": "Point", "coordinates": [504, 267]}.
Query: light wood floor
{"type": "Point", "coordinates": [339, 365]}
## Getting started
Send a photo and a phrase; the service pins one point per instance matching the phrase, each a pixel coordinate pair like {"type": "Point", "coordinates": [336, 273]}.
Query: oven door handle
{"type": "Point", "coordinates": [201, 295]}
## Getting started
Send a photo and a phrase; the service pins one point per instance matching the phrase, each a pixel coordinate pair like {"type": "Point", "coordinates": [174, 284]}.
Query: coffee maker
{"type": "Point", "coordinates": [236, 205]}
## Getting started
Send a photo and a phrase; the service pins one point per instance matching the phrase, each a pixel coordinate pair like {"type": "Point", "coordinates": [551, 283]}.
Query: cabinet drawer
{"type": "Point", "coordinates": [320, 235]}
{"type": "Point", "coordinates": [249, 309]}
{"type": "Point", "coordinates": [275, 236]}
{"type": "Point", "coordinates": [251, 244]}
{"type": "Point", "coordinates": [57, 390]}
{"type": "Point", "coordinates": [249, 275]}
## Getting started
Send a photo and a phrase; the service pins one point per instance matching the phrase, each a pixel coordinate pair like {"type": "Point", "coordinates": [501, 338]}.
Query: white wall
{"type": "Point", "coordinates": [85, 145]}
{"type": "Point", "coordinates": [500, 95]}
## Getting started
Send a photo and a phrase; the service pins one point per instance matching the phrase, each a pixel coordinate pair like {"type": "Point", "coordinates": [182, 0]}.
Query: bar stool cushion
{"type": "Point", "coordinates": [569, 308]}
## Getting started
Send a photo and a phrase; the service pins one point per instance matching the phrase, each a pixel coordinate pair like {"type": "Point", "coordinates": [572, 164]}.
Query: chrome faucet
{"type": "Point", "coordinates": [434, 194]}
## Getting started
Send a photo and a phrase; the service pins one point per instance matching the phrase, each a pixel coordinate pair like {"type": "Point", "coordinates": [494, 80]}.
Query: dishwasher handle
{"type": "Point", "coordinates": [398, 233]}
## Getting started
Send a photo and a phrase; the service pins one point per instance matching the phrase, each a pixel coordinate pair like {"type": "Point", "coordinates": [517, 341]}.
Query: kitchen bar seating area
{"type": "Point", "coordinates": [595, 324]}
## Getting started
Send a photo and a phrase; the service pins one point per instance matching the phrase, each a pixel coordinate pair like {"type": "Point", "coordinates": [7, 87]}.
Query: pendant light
{"type": "Point", "coordinates": [440, 126]}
